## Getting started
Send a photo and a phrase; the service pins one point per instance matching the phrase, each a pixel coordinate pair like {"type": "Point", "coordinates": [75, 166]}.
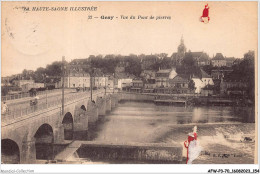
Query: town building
{"type": "Point", "coordinates": [202, 80]}
{"type": "Point", "coordinates": [230, 61]}
{"type": "Point", "coordinates": [179, 84]}
{"type": "Point", "coordinates": [149, 86]}
{"type": "Point", "coordinates": [208, 90]}
{"type": "Point", "coordinates": [20, 83]}
{"type": "Point", "coordinates": [201, 58]}
{"type": "Point", "coordinates": [110, 83]}
{"type": "Point", "coordinates": [123, 81]}
{"type": "Point", "coordinates": [99, 79]}
{"type": "Point", "coordinates": [163, 76]}
{"type": "Point", "coordinates": [219, 60]}
{"type": "Point", "coordinates": [137, 85]}
{"type": "Point", "coordinates": [78, 66]}
{"type": "Point", "coordinates": [232, 85]}
{"type": "Point", "coordinates": [220, 73]}
{"type": "Point", "coordinates": [27, 87]}
{"type": "Point", "coordinates": [75, 80]}
{"type": "Point", "coordinates": [148, 74]}
{"type": "Point", "coordinates": [206, 79]}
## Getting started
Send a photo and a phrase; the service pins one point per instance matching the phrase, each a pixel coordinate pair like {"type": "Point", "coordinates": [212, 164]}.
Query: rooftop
{"type": "Point", "coordinates": [204, 74]}
{"type": "Point", "coordinates": [124, 76]}
{"type": "Point", "coordinates": [164, 71]}
{"type": "Point", "coordinates": [219, 56]}
{"type": "Point", "coordinates": [196, 54]}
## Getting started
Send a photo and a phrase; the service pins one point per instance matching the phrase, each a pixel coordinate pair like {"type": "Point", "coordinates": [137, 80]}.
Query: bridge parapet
{"type": "Point", "coordinates": [23, 111]}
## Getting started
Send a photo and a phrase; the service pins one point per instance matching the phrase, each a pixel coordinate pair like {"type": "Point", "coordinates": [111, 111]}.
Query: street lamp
{"type": "Point", "coordinates": [45, 81]}
{"type": "Point", "coordinates": [105, 85]}
{"type": "Point", "coordinates": [113, 83]}
{"type": "Point", "coordinates": [91, 85]}
{"type": "Point", "coordinates": [63, 61]}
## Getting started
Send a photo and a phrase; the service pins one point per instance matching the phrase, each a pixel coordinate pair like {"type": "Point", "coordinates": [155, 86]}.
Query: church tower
{"type": "Point", "coordinates": [181, 51]}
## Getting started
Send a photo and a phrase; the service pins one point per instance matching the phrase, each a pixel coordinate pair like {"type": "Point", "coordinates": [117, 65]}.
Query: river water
{"type": "Point", "coordinates": [226, 134]}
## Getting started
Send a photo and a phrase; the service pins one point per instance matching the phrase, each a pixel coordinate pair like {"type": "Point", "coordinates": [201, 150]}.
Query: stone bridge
{"type": "Point", "coordinates": [39, 134]}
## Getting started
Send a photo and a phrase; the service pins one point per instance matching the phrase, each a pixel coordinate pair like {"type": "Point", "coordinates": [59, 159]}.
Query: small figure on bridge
{"type": "Point", "coordinates": [192, 145]}
{"type": "Point", "coordinates": [36, 98]}
{"type": "Point", "coordinates": [4, 108]}
{"type": "Point", "coordinates": [34, 101]}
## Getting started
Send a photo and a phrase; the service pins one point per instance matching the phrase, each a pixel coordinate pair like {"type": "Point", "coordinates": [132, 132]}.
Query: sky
{"type": "Point", "coordinates": [32, 39]}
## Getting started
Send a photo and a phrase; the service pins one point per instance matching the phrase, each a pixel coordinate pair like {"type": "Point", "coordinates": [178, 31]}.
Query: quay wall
{"type": "Point", "coordinates": [136, 97]}
{"type": "Point", "coordinates": [190, 98]}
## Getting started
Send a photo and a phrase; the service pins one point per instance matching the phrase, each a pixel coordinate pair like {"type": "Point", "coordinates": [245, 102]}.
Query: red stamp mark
{"type": "Point", "coordinates": [205, 15]}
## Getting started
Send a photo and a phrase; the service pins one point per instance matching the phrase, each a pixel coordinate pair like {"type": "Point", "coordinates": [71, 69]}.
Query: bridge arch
{"type": "Point", "coordinates": [10, 153]}
{"type": "Point", "coordinates": [83, 108]}
{"type": "Point", "coordinates": [44, 139]}
{"type": "Point", "coordinates": [68, 126]}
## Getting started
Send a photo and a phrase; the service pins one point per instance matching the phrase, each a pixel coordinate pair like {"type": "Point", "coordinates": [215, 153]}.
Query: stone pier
{"type": "Point", "coordinates": [113, 101]}
{"type": "Point", "coordinates": [108, 103]}
{"type": "Point", "coordinates": [80, 125]}
{"type": "Point", "coordinates": [116, 99]}
{"type": "Point", "coordinates": [28, 153]}
{"type": "Point", "coordinates": [92, 112]}
{"type": "Point", "coordinates": [101, 103]}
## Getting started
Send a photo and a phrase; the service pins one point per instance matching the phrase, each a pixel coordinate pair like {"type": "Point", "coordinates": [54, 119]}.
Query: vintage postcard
{"type": "Point", "coordinates": [129, 83]}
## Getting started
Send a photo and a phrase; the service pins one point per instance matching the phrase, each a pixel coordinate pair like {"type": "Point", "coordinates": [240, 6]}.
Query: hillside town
{"type": "Point", "coordinates": [183, 72]}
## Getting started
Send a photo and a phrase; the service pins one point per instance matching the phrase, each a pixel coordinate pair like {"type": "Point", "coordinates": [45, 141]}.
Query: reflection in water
{"type": "Point", "coordinates": [198, 117]}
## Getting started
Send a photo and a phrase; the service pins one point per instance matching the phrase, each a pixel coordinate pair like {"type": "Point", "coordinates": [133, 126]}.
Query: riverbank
{"type": "Point", "coordinates": [190, 99]}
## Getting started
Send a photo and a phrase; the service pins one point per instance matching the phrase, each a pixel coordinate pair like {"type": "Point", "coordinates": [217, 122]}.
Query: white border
{"type": "Point", "coordinates": [129, 168]}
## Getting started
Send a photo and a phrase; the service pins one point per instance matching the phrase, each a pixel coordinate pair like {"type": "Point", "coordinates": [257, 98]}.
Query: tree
{"type": "Point", "coordinates": [188, 60]}
{"type": "Point", "coordinates": [162, 55]}
{"type": "Point", "coordinates": [247, 66]}
{"type": "Point", "coordinates": [4, 90]}
{"type": "Point", "coordinates": [134, 65]}
{"type": "Point", "coordinates": [39, 75]}
{"type": "Point", "coordinates": [166, 63]}
{"type": "Point", "coordinates": [245, 72]}
{"type": "Point", "coordinates": [188, 66]}
{"type": "Point", "coordinates": [208, 68]}
{"type": "Point", "coordinates": [26, 75]}
{"type": "Point", "coordinates": [191, 85]}
{"type": "Point", "coordinates": [55, 69]}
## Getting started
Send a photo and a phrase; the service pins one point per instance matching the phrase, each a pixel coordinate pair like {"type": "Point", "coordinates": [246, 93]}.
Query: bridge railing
{"type": "Point", "coordinates": [23, 111]}
{"type": "Point", "coordinates": [27, 94]}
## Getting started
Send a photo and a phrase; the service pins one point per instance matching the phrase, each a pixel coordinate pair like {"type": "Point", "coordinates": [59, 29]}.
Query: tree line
{"type": "Point", "coordinates": [134, 64]}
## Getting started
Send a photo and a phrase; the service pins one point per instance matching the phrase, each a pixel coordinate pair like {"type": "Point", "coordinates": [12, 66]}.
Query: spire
{"type": "Point", "coordinates": [182, 40]}
{"type": "Point", "coordinates": [181, 47]}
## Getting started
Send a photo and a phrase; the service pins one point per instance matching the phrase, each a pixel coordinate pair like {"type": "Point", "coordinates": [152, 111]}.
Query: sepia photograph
{"type": "Point", "coordinates": [129, 82]}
